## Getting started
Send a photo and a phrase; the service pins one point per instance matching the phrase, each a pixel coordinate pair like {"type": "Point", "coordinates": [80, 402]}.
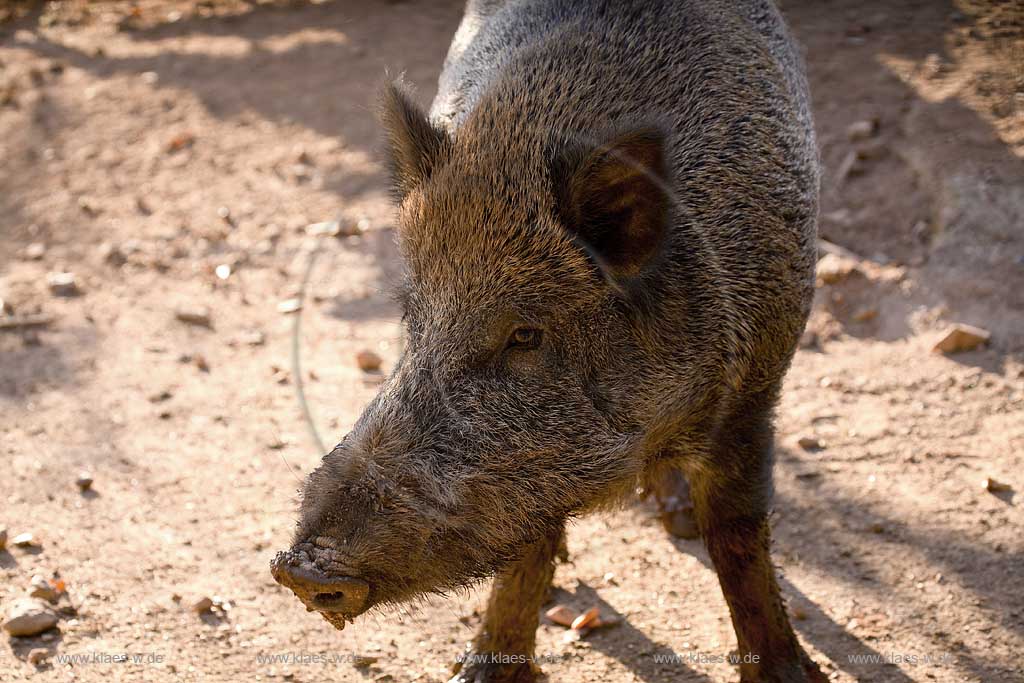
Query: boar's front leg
{"type": "Point", "coordinates": [502, 651]}
{"type": "Point", "coordinates": [731, 500]}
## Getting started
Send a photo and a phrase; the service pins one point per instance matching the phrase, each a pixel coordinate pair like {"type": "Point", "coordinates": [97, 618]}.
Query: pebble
{"type": "Point", "coordinates": [42, 589]}
{"type": "Point", "coordinates": [865, 315]}
{"type": "Point", "coordinates": [28, 617]}
{"type": "Point", "coordinates": [368, 361]}
{"type": "Point", "coordinates": [62, 284]}
{"type": "Point", "coordinates": [289, 306]}
{"type": "Point", "coordinates": [3, 538]}
{"type": "Point", "coordinates": [202, 605]}
{"type": "Point", "coordinates": [833, 268]}
{"type": "Point", "coordinates": [571, 636]}
{"type": "Point", "coordinates": [994, 486]}
{"type": "Point", "coordinates": [111, 254]}
{"type": "Point", "coordinates": [35, 251]}
{"type": "Point", "coordinates": [23, 540]}
{"type": "Point", "coordinates": [809, 339]}
{"type": "Point", "coordinates": [364, 661]}
{"type": "Point", "coordinates": [37, 655]}
{"type": "Point", "coordinates": [252, 338]}
{"type": "Point", "coordinates": [809, 443]}
{"type": "Point", "coordinates": [860, 130]}
{"type": "Point", "coordinates": [199, 315]}
{"type": "Point", "coordinates": [84, 481]}
{"type": "Point", "coordinates": [326, 229]}
{"type": "Point", "coordinates": [961, 337]}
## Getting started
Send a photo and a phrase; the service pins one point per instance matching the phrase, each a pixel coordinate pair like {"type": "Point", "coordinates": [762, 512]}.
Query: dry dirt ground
{"type": "Point", "coordinates": [145, 144]}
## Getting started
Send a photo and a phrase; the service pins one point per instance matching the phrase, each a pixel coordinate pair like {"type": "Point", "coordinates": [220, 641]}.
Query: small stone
{"type": "Point", "coordinates": [199, 315]}
{"type": "Point", "coordinates": [994, 486]}
{"type": "Point", "coordinates": [28, 617]}
{"type": "Point", "coordinates": [865, 315]}
{"type": "Point", "coordinates": [62, 284]}
{"type": "Point", "coordinates": [364, 661]}
{"type": "Point", "coordinates": [799, 614]}
{"type": "Point", "coordinates": [161, 396]}
{"type": "Point", "coordinates": [571, 636]}
{"type": "Point", "coordinates": [84, 481]}
{"type": "Point", "coordinates": [35, 251]}
{"type": "Point", "coordinates": [607, 622]}
{"type": "Point", "coordinates": [180, 142]}
{"type": "Point", "coordinates": [23, 540]}
{"type": "Point", "coordinates": [252, 338]}
{"type": "Point", "coordinates": [809, 443]}
{"type": "Point", "coordinates": [202, 605]}
{"type": "Point", "coordinates": [3, 539]}
{"type": "Point", "coordinates": [368, 361]}
{"type": "Point", "coordinates": [223, 271]}
{"type": "Point", "coordinates": [563, 615]}
{"type": "Point", "coordinates": [833, 268]}
{"type": "Point", "coordinates": [808, 339]}
{"type": "Point", "coordinates": [289, 306]}
{"type": "Point", "coordinates": [37, 656]}
{"type": "Point", "coordinates": [962, 337]}
{"type": "Point", "coordinates": [849, 166]}
{"type": "Point", "coordinates": [860, 130]}
{"type": "Point", "coordinates": [44, 590]}
{"type": "Point", "coordinates": [111, 254]}
{"type": "Point", "coordinates": [325, 229]}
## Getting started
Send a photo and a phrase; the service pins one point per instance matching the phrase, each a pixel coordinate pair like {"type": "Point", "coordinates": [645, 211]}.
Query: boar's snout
{"type": "Point", "coordinates": [339, 597]}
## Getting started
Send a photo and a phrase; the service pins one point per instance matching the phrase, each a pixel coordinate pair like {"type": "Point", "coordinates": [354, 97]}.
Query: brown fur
{"type": "Point", "coordinates": [639, 184]}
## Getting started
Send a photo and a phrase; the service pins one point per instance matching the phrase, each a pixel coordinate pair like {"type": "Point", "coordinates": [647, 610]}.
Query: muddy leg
{"type": "Point", "coordinates": [732, 511]}
{"type": "Point", "coordinates": [675, 507]}
{"type": "Point", "coordinates": [502, 651]}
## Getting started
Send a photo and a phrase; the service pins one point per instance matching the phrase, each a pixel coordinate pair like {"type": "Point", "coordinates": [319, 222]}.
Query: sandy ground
{"type": "Point", "coordinates": [145, 144]}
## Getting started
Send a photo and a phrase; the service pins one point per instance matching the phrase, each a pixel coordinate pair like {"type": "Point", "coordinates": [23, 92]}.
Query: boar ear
{"type": "Point", "coordinates": [415, 146]}
{"type": "Point", "coordinates": [612, 198]}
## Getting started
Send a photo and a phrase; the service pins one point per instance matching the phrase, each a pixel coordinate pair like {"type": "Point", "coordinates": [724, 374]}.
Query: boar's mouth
{"type": "Point", "coordinates": [338, 596]}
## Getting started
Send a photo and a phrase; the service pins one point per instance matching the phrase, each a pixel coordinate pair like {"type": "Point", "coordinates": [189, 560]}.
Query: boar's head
{"type": "Point", "coordinates": [524, 392]}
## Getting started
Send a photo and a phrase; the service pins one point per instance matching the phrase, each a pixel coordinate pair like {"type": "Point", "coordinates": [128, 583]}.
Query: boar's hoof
{"type": "Point", "coordinates": [493, 667]}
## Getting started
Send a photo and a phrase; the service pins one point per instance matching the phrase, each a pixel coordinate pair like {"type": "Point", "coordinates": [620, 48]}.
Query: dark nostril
{"type": "Point", "coordinates": [333, 600]}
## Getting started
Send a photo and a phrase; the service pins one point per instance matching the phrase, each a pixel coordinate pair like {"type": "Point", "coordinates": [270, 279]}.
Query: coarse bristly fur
{"type": "Point", "coordinates": [634, 184]}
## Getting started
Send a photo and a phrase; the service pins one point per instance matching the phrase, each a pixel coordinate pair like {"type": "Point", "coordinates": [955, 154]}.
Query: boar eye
{"type": "Point", "coordinates": [524, 338]}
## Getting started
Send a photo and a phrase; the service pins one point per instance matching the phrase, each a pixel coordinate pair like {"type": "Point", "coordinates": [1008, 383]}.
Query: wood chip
{"type": "Point", "coordinates": [563, 615]}
{"type": "Point", "coordinates": [962, 337]}
{"type": "Point", "coordinates": [586, 620]}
